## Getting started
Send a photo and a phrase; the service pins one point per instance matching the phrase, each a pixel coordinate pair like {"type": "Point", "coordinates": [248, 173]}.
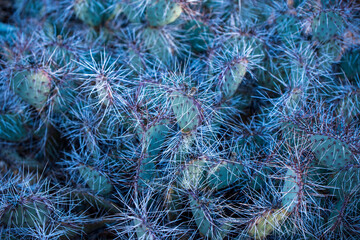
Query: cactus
{"type": "Point", "coordinates": [33, 86]}
{"type": "Point", "coordinates": [162, 12]}
{"type": "Point", "coordinates": [96, 181]}
{"type": "Point", "coordinates": [224, 174]}
{"type": "Point", "coordinates": [90, 12]}
{"type": "Point", "coordinates": [326, 25]}
{"type": "Point", "coordinates": [12, 128]}
{"type": "Point", "coordinates": [290, 190]}
{"type": "Point", "coordinates": [265, 224]}
{"type": "Point", "coordinates": [186, 110]}
{"type": "Point", "coordinates": [331, 152]}
{"type": "Point", "coordinates": [179, 119]}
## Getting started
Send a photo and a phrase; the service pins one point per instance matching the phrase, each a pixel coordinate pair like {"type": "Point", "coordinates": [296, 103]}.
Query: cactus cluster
{"type": "Point", "coordinates": [179, 119]}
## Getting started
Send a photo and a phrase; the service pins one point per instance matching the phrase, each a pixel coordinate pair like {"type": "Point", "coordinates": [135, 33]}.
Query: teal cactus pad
{"type": "Point", "coordinates": [327, 25]}
{"type": "Point", "coordinates": [89, 11]}
{"type": "Point", "coordinates": [234, 75]}
{"type": "Point", "coordinates": [194, 175]}
{"type": "Point", "coordinates": [264, 225]}
{"type": "Point", "coordinates": [163, 12]}
{"type": "Point", "coordinates": [146, 172]}
{"type": "Point", "coordinates": [27, 214]}
{"type": "Point", "coordinates": [290, 190]}
{"type": "Point", "coordinates": [205, 227]}
{"type": "Point", "coordinates": [96, 181]}
{"type": "Point", "coordinates": [155, 137]}
{"type": "Point", "coordinates": [224, 174]}
{"type": "Point", "coordinates": [140, 229]}
{"type": "Point", "coordinates": [330, 151]}
{"type": "Point", "coordinates": [186, 112]}
{"type": "Point", "coordinates": [12, 128]}
{"type": "Point", "coordinates": [32, 86]}
{"type": "Point", "coordinates": [199, 35]}
{"type": "Point", "coordinates": [156, 43]}
{"type": "Point", "coordinates": [287, 27]}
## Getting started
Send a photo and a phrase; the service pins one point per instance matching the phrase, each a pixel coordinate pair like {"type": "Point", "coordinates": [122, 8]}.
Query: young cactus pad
{"type": "Point", "coordinates": [194, 174]}
{"type": "Point", "coordinates": [327, 25]}
{"type": "Point", "coordinates": [95, 180]}
{"type": "Point", "coordinates": [89, 11]}
{"type": "Point", "coordinates": [290, 190]}
{"type": "Point", "coordinates": [330, 151]}
{"type": "Point", "coordinates": [33, 86]}
{"type": "Point", "coordinates": [224, 174]}
{"type": "Point", "coordinates": [233, 77]}
{"type": "Point", "coordinates": [205, 225]}
{"type": "Point", "coordinates": [186, 111]}
{"type": "Point", "coordinates": [264, 225]}
{"type": "Point", "coordinates": [163, 12]}
{"type": "Point", "coordinates": [26, 214]}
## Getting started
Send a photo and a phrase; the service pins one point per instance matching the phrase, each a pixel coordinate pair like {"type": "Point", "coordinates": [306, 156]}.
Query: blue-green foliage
{"type": "Point", "coordinates": [179, 119]}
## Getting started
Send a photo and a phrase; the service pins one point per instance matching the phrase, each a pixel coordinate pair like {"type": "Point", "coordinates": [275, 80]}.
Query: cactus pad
{"type": "Point", "coordinates": [186, 111]}
{"type": "Point", "coordinates": [224, 174]}
{"type": "Point", "coordinates": [95, 180]}
{"type": "Point", "coordinates": [290, 190]}
{"type": "Point", "coordinates": [162, 12]}
{"type": "Point", "coordinates": [327, 25]}
{"type": "Point", "coordinates": [234, 75]}
{"type": "Point", "coordinates": [32, 86]}
{"type": "Point", "coordinates": [331, 152]}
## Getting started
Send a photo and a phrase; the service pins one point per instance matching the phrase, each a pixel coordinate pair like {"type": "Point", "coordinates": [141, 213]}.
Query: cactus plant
{"type": "Point", "coordinates": [179, 119]}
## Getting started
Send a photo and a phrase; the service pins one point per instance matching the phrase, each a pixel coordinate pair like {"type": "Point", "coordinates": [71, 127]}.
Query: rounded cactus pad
{"type": "Point", "coordinates": [162, 12]}
{"type": "Point", "coordinates": [265, 224]}
{"type": "Point", "coordinates": [327, 25]}
{"type": "Point", "coordinates": [95, 180]}
{"type": "Point", "coordinates": [186, 111]}
{"type": "Point", "coordinates": [290, 190]}
{"type": "Point", "coordinates": [33, 86]}
{"type": "Point", "coordinates": [331, 151]}
{"type": "Point", "coordinates": [234, 75]}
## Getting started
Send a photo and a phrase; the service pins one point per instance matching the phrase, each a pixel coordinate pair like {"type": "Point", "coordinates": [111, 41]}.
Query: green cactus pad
{"type": "Point", "coordinates": [32, 86]}
{"type": "Point", "coordinates": [290, 190]}
{"type": "Point", "coordinates": [205, 227]}
{"type": "Point", "coordinates": [264, 225]}
{"type": "Point", "coordinates": [162, 12]}
{"type": "Point", "coordinates": [89, 11]}
{"type": "Point", "coordinates": [234, 75]}
{"type": "Point", "coordinates": [194, 175]}
{"type": "Point", "coordinates": [224, 174]}
{"type": "Point", "coordinates": [26, 214]}
{"type": "Point", "coordinates": [146, 172]}
{"type": "Point", "coordinates": [95, 180]}
{"type": "Point", "coordinates": [12, 128]}
{"type": "Point", "coordinates": [140, 229]}
{"type": "Point", "coordinates": [157, 43]}
{"type": "Point", "coordinates": [186, 111]}
{"type": "Point", "coordinates": [29, 163]}
{"type": "Point", "coordinates": [287, 27]}
{"type": "Point", "coordinates": [327, 25]}
{"type": "Point", "coordinates": [154, 138]}
{"type": "Point", "coordinates": [331, 152]}
{"type": "Point", "coordinates": [198, 35]}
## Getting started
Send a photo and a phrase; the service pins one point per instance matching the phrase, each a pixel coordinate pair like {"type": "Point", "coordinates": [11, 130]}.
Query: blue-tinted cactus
{"type": "Point", "coordinates": [179, 119]}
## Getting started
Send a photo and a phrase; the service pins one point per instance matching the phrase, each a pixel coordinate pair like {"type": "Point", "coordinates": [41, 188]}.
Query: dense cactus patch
{"type": "Point", "coordinates": [179, 119]}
